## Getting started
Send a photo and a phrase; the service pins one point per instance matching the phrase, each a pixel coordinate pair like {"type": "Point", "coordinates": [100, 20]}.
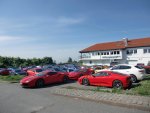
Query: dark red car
{"type": "Point", "coordinates": [107, 79]}
{"type": "Point", "coordinates": [34, 71]}
{"type": "Point", "coordinates": [4, 71]}
{"type": "Point", "coordinates": [43, 78]}
{"type": "Point", "coordinates": [74, 75]}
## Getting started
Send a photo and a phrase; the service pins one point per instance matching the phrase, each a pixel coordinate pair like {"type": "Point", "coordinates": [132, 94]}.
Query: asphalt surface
{"type": "Point", "coordinates": [15, 99]}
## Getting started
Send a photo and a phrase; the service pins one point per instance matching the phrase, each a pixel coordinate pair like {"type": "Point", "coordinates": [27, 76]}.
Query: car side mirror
{"type": "Point", "coordinates": [93, 75]}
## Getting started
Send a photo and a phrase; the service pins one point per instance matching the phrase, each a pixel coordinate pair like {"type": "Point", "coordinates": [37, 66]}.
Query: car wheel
{"type": "Point", "coordinates": [65, 79]}
{"type": "Point", "coordinates": [133, 78]}
{"type": "Point", "coordinates": [39, 83]}
{"type": "Point", "coordinates": [117, 84]}
{"type": "Point", "coordinates": [85, 82]}
{"type": "Point", "coordinates": [147, 71]}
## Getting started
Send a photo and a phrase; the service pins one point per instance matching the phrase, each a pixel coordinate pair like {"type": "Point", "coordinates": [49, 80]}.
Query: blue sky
{"type": "Point", "coordinates": [61, 28]}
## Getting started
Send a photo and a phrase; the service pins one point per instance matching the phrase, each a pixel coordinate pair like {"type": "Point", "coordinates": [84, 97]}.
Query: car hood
{"type": "Point", "coordinates": [28, 78]}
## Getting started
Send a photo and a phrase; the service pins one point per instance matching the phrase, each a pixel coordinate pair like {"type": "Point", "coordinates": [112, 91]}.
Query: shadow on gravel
{"type": "Point", "coordinates": [54, 84]}
{"type": "Point", "coordinates": [59, 84]}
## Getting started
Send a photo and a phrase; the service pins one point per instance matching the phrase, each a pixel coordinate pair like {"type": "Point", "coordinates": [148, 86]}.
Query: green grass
{"type": "Point", "coordinates": [12, 79]}
{"type": "Point", "coordinates": [142, 89]}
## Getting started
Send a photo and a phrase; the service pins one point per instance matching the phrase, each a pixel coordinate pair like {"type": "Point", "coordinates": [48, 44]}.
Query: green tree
{"type": "Point", "coordinates": [69, 60]}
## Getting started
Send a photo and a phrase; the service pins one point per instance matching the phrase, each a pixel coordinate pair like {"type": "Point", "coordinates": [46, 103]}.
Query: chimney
{"type": "Point", "coordinates": [125, 40]}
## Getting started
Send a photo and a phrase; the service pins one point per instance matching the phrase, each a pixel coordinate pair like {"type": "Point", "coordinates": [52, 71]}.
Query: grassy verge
{"type": "Point", "coordinates": [12, 79]}
{"type": "Point", "coordinates": [142, 89]}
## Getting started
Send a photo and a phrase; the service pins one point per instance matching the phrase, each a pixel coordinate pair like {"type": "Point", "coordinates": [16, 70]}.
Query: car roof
{"type": "Point", "coordinates": [123, 65]}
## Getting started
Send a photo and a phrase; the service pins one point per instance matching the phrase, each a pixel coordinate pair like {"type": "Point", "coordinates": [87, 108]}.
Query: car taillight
{"type": "Point", "coordinates": [142, 71]}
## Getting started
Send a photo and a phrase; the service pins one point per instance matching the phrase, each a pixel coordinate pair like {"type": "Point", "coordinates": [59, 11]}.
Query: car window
{"type": "Point", "coordinates": [115, 68]}
{"type": "Point", "coordinates": [125, 67]}
{"type": "Point", "coordinates": [39, 70]}
{"type": "Point", "coordinates": [18, 71]}
{"type": "Point", "coordinates": [52, 73]}
{"type": "Point", "coordinates": [139, 67]}
{"type": "Point", "coordinates": [101, 74]}
{"type": "Point", "coordinates": [57, 69]}
{"type": "Point", "coordinates": [40, 74]}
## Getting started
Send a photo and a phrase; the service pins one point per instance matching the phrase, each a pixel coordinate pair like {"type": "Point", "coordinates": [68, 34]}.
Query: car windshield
{"type": "Point", "coordinates": [40, 74]}
{"type": "Point", "coordinates": [18, 71]}
{"type": "Point", "coordinates": [76, 70]}
{"type": "Point", "coordinates": [39, 70]}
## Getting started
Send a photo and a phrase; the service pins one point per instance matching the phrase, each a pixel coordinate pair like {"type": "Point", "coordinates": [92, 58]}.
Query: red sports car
{"type": "Point", "coordinates": [107, 79]}
{"type": "Point", "coordinates": [43, 78]}
{"type": "Point", "coordinates": [34, 71]}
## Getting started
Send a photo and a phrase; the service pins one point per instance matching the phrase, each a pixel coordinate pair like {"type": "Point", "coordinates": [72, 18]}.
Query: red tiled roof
{"type": "Point", "coordinates": [141, 42]}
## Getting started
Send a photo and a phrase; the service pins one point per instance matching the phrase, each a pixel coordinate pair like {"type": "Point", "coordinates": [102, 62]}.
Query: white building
{"type": "Point", "coordinates": [126, 51]}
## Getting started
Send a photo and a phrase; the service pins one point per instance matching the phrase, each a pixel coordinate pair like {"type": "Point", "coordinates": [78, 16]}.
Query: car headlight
{"type": "Point", "coordinates": [27, 81]}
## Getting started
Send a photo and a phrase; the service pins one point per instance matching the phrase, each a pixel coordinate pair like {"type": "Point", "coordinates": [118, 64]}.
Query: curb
{"type": "Point", "coordinates": [129, 101]}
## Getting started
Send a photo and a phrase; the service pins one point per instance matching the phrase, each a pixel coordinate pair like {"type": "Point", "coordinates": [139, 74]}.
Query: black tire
{"type": "Point", "coordinates": [65, 79]}
{"type": "Point", "coordinates": [147, 71]}
{"type": "Point", "coordinates": [133, 78]}
{"type": "Point", "coordinates": [39, 83]}
{"type": "Point", "coordinates": [85, 82]}
{"type": "Point", "coordinates": [117, 84]}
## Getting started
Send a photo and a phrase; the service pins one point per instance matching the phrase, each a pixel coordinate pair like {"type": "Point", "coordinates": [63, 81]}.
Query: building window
{"type": "Point", "coordinates": [98, 53]}
{"type": "Point", "coordinates": [148, 50]}
{"type": "Point", "coordinates": [128, 52]}
{"type": "Point", "coordinates": [131, 51]}
{"type": "Point", "coordinates": [118, 52]}
{"type": "Point", "coordinates": [135, 51]}
{"type": "Point", "coordinates": [107, 53]}
{"type": "Point", "coordinates": [115, 52]}
{"type": "Point", "coordinates": [90, 62]}
{"type": "Point", "coordinates": [111, 52]}
{"type": "Point", "coordinates": [145, 51]}
{"type": "Point", "coordinates": [102, 53]}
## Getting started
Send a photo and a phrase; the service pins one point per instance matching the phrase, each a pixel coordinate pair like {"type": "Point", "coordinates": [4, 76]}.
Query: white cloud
{"type": "Point", "coordinates": [8, 38]}
{"type": "Point", "coordinates": [69, 21]}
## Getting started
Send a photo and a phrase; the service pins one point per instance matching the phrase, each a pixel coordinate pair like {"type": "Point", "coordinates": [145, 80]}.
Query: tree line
{"type": "Point", "coordinates": [21, 62]}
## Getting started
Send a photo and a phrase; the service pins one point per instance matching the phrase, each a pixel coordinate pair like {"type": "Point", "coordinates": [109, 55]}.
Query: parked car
{"type": "Point", "coordinates": [107, 79]}
{"type": "Point", "coordinates": [74, 75]}
{"type": "Point", "coordinates": [4, 71]}
{"type": "Point", "coordinates": [17, 72]}
{"type": "Point", "coordinates": [34, 71]}
{"type": "Point", "coordinates": [43, 78]}
{"type": "Point", "coordinates": [135, 72]}
{"type": "Point", "coordinates": [147, 69]}
{"type": "Point", "coordinates": [98, 69]}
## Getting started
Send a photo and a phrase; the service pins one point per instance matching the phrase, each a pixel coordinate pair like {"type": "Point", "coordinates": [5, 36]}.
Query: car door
{"type": "Point", "coordinates": [51, 77]}
{"type": "Point", "coordinates": [102, 79]}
